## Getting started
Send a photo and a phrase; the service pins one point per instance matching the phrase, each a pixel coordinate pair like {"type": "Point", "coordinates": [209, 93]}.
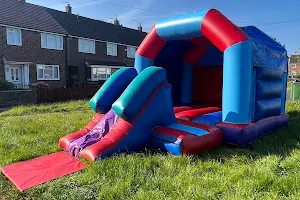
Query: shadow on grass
{"type": "Point", "coordinates": [280, 143]}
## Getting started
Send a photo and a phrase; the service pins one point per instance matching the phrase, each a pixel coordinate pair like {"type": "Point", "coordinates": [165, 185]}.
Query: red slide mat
{"type": "Point", "coordinates": [30, 173]}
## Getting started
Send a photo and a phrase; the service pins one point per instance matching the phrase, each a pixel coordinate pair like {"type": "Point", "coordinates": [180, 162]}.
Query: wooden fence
{"type": "Point", "coordinates": [45, 95]}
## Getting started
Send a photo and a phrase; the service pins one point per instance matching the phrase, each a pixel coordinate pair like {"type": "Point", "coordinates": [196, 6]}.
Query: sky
{"type": "Point", "coordinates": [277, 18]}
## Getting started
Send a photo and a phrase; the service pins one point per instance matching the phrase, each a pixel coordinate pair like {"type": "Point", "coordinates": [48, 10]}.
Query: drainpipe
{"type": "Point", "coordinates": [66, 60]}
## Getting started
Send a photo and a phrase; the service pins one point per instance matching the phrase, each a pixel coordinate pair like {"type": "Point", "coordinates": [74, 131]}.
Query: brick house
{"type": "Point", "coordinates": [294, 65]}
{"type": "Point", "coordinates": [60, 48]}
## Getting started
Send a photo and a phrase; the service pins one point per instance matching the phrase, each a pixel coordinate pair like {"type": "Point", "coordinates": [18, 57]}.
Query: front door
{"type": "Point", "coordinates": [73, 75]}
{"type": "Point", "coordinates": [15, 75]}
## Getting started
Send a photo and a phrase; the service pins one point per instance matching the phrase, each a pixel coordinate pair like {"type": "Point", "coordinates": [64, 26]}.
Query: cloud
{"type": "Point", "coordinates": [87, 4]}
{"type": "Point", "coordinates": [134, 14]}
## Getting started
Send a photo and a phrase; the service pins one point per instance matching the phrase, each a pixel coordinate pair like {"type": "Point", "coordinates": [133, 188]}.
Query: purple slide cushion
{"type": "Point", "coordinates": [95, 135]}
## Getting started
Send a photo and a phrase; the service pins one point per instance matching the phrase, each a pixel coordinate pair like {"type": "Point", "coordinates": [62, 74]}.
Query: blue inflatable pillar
{"type": "Point", "coordinates": [142, 63]}
{"type": "Point", "coordinates": [187, 83]}
{"type": "Point", "coordinates": [283, 95]}
{"type": "Point", "coordinates": [237, 83]}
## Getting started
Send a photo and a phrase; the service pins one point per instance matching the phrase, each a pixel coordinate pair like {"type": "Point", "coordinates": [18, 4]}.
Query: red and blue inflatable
{"type": "Point", "coordinates": [198, 81]}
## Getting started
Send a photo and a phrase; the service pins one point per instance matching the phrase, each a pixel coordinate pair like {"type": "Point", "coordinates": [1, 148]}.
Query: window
{"type": "Point", "coordinates": [294, 65]}
{"type": "Point", "coordinates": [86, 46]}
{"type": "Point", "coordinates": [51, 41]}
{"type": "Point", "coordinates": [294, 73]}
{"type": "Point", "coordinates": [131, 52]}
{"type": "Point", "coordinates": [48, 72]}
{"type": "Point", "coordinates": [102, 73]}
{"type": "Point", "coordinates": [112, 49]}
{"type": "Point", "coordinates": [14, 36]}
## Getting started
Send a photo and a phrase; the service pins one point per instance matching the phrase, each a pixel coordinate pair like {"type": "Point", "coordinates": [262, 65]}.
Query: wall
{"type": "Point", "coordinates": [297, 69]}
{"type": "Point", "coordinates": [269, 90]}
{"type": "Point", "coordinates": [31, 47]}
{"type": "Point", "coordinates": [17, 97]}
{"type": "Point", "coordinates": [207, 85]}
{"type": "Point", "coordinates": [77, 59]}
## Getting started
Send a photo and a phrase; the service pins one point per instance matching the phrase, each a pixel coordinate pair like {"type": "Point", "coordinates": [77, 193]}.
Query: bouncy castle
{"type": "Point", "coordinates": [198, 81]}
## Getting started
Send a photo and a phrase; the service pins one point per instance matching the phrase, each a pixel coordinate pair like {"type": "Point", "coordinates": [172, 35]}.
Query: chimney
{"type": "Point", "coordinates": [140, 28]}
{"type": "Point", "coordinates": [117, 22]}
{"type": "Point", "coordinates": [68, 9]}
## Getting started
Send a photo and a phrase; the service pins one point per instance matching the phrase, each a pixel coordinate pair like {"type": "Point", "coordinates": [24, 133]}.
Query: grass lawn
{"type": "Point", "coordinates": [289, 85]}
{"type": "Point", "coordinates": [267, 169]}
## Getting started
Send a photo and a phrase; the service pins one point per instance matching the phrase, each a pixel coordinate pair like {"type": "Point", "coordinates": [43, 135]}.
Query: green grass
{"type": "Point", "coordinates": [267, 169]}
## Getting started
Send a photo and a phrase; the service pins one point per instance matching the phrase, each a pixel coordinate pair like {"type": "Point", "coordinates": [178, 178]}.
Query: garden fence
{"type": "Point", "coordinates": [46, 95]}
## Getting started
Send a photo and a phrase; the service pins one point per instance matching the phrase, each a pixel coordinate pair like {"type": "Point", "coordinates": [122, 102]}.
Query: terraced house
{"type": "Point", "coordinates": [60, 48]}
{"type": "Point", "coordinates": [294, 65]}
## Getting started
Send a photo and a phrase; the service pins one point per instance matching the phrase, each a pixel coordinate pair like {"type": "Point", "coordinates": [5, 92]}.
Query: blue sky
{"type": "Point", "coordinates": [272, 16]}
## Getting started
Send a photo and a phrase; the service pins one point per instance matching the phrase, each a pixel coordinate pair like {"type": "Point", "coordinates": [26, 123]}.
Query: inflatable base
{"type": "Point", "coordinates": [244, 134]}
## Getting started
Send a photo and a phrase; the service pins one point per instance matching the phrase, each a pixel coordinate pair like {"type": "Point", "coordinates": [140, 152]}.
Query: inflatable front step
{"type": "Point", "coordinates": [186, 138]}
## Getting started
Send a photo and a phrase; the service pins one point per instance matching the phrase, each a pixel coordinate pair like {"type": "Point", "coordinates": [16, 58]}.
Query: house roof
{"type": "Point", "coordinates": [295, 59]}
{"type": "Point", "coordinates": [26, 15]}
{"type": "Point", "coordinates": [84, 27]}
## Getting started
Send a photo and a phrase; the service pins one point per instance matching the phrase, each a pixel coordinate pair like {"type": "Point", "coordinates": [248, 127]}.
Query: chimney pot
{"type": "Point", "coordinates": [68, 9]}
{"type": "Point", "coordinates": [140, 28]}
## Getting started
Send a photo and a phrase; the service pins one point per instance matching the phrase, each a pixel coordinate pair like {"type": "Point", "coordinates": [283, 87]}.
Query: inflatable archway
{"type": "Point", "coordinates": [206, 28]}
{"type": "Point", "coordinates": [222, 33]}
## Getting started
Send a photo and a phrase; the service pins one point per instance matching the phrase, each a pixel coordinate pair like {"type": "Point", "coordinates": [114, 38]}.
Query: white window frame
{"type": "Point", "coordinates": [294, 65]}
{"type": "Point", "coordinates": [129, 49]}
{"type": "Point", "coordinates": [14, 31]}
{"type": "Point", "coordinates": [114, 48]}
{"type": "Point", "coordinates": [294, 73]}
{"type": "Point", "coordinates": [47, 79]}
{"type": "Point", "coordinates": [49, 36]}
{"type": "Point", "coordinates": [86, 42]}
{"type": "Point", "coordinates": [108, 72]}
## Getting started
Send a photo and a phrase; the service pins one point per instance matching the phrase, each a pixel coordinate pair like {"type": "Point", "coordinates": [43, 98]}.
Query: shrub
{"type": "Point", "coordinates": [39, 84]}
{"type": "Point", "coordinates": [78, 84]}
{"type": "Point", "coordinates": [297, 76]}
{"type": "Point", "coordinates": [5, 85]}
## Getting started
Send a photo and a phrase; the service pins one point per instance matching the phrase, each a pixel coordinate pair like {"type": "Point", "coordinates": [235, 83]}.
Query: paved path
{"type": "Point", "coordinates": [288, 95]}
{"type": "Point", "coordinates": [3, 109]}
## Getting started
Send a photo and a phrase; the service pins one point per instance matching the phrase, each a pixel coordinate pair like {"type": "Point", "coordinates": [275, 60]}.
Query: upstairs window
{"type": "Point", "coordinates": [48, 72]}
{"type": "Point", "coordinates": [51, 41]}
{"type": "Point", "coordinates": [112, 49]}
{"type": "Point", "coordinates": [86, 46]}
{"type": "Point", "coordinates": [131, 52]}
{"type": "Point", "coordinates": [14, 36]}
{"type": "Point", "coordinates": [294, 66]}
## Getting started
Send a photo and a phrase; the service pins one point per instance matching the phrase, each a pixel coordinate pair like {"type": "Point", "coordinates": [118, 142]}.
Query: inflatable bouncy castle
{"type": "Point", "coordinates": [198, 81]}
